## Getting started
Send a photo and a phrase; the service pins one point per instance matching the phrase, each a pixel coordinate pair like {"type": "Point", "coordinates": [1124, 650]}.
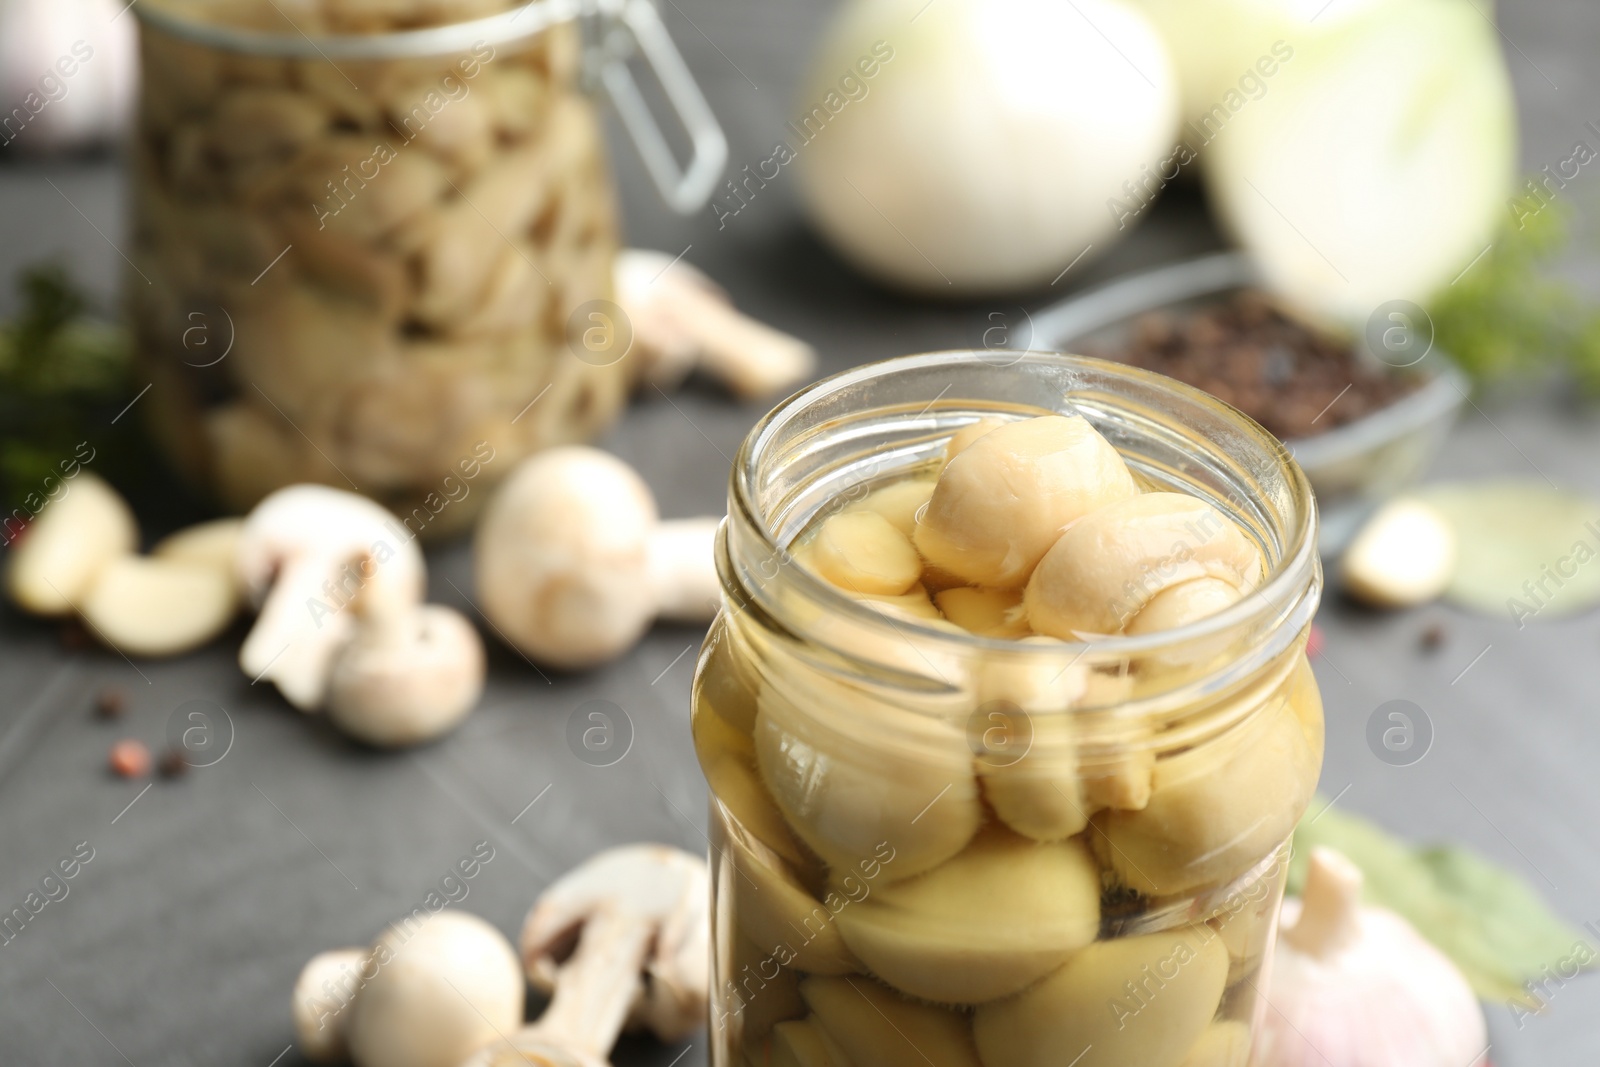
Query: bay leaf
{"type": "Point", "coordinates": [1524, 550]}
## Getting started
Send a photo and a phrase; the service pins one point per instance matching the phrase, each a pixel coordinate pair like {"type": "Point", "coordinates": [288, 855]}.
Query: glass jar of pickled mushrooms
{"type": "Point", "coordinates": [1007, 720]}
{"type": "Point", "coordinates": [365, 236]}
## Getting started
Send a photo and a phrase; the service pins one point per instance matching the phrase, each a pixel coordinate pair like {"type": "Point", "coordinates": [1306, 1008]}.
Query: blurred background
{"type": "Point", "coordinates": [1014, 165]}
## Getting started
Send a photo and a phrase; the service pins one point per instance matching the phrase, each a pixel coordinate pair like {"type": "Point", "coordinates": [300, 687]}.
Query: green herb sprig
{"type": "Point", "coordinates": [1507, 318]}
{"type": "Point", "coordinates": [60, 369]}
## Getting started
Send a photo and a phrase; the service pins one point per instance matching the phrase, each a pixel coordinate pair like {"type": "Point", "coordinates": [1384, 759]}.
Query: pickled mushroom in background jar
{"type": "Point", "coordinates": [360, 271]}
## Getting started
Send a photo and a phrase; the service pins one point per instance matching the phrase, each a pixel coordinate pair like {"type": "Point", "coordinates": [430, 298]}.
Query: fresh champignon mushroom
{"type": "Point", "coordinates": [1003, 500]}
{"type": "Point", "coordinates": [1067, 1014]}
{"type": "Point", "coordinates": [681, 320]}
{"type": "Point", "coordinates": [305, 553]}
{"type": "Point", "coordinates": [322, 992]}
{"type": "Point", "coordinates": [633, 911]}
{"type": "Point", "coordinates": [1103, 571]}
{"type": "Point", "coordinates": [409, 674]}
{"type": "Point", "coordinates": [68, 544]}
{"type": "Point", "coordinates": [434, 992]}
{"type": "Point", "coordinates": [572, 562]}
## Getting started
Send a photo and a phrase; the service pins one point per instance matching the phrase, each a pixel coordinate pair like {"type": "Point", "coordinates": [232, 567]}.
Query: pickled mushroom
{"type": "Point", "coordinates": [986, 924]}
{"type": "Point", "coordinates": [1003, 501]}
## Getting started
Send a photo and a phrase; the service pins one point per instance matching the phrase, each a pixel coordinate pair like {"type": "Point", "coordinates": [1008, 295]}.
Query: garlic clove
{"type": "Point", "coordinates": [1105, 569]}
{"type": "Point", "coordinates": [862, 552]}
{"type": "Point", "coordinates": [986, 924]}
{"type": "Point", "coordinates": [143, 606]}
{"type": "Point", "coordinates": [66, 546]}
{"type": "Point", "coordinates": [1002, 502]}
{"type": "Point", "coordinates": [802, 1043]}
{"type": "Point", "coordinates": [986, 612]}
{"type": "Point", "coordinates": [1405, 555]}
{"type": "Point", "coordinates": [211, 544]}
{"type": "Point", "coordinates": [899, 502]}
{"type": "Point", "coordinates": [878, 1027]}
{"type": "Point", "coordinates": [1132, 1000]}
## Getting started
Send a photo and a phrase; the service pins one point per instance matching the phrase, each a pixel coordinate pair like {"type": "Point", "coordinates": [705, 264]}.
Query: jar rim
{"type": "Point", "coordinates": [1295, 571]}
{"type": "Point", "coordinates": [447, 39]}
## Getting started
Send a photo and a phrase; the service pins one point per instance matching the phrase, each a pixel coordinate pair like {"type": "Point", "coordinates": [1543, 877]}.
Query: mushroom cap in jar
{"type": "Point", "coordinates": [1004, 499]}
{"type": "Point", "coordinates": [990, 922]}
{"type": "Point", "coordinates": [562, 557]}
{"type": "Point", "coordinates": [1106, 567]}
{"type": "Point", "coordinates": [1086, 1009]}
{"type": "Point", "coordinates": [1220, 807]}
{"type": "Point", "coordinates": [851, 772]}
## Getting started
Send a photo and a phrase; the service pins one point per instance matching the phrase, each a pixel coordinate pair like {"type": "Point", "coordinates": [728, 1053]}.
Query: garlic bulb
{"type": "Point", "coordinates": [972, 146]}
{"type": "Point", "coordinates": [66, 72]}
{"type": "Point", "coordinates": [1359, 987]}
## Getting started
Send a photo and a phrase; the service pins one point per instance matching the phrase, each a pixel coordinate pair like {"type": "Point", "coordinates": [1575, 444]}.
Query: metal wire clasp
{"type": "Point", "coordinates": [619, 29]}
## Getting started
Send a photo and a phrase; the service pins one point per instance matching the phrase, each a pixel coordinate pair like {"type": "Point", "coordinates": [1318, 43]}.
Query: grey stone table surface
{"type": "Point", "coordinates": [179, 940]}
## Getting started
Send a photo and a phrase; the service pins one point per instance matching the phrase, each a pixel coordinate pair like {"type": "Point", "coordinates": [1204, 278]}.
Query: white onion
{"type": "Point", "coordinates": [67, 71]}
{"type": "Point", "coordinates": [984, 153]}
{"type": "Point", "coordinates": [1378, 163]}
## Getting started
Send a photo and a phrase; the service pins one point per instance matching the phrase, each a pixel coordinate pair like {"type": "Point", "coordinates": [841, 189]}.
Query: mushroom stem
{"type": "Point", "coordinates": [683, 569]}
{"type": "Point", "coordinates": [751, 357]}
{"type": "Point", "coordinates": [682, 319]}
{"type": "Point", "coordinates": [384, 607]}
{"type": "Point", "coordinates": [596, 987]}
{"type": "Point", "coordinates": [1330, 910]}
{"type": "Point", "coordinates": [289, 645]}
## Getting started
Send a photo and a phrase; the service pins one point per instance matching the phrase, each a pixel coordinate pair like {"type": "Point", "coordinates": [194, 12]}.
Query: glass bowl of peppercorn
{"type": "Point", "coordinates": [1361, 428]}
